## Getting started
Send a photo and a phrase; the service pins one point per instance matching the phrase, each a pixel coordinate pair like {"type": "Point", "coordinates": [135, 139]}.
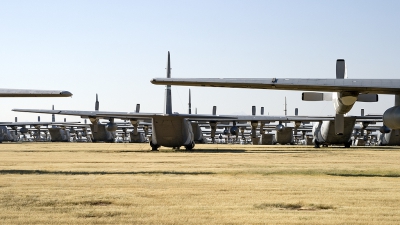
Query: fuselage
{"type": "Point", "coordinates": [343, 101]}
{"type": "Point", "coordinates": [171, 131]}
{"type": "Point", "coordinates": [284, 136]}
{"type": "Point", "coordinates": [324, 132]}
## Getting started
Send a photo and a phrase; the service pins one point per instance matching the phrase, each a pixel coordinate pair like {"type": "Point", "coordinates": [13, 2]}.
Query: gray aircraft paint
{"type": "Point", "coordinates": [284, 136]}
{"type": "Point", "coordinates": [59, 135]}
{"type": "Point", "coordinates": [4, 92]}
{"type": "Point", "coordinates": [391, 138]}
{"type": "Point", "coordinates": [324, 132]}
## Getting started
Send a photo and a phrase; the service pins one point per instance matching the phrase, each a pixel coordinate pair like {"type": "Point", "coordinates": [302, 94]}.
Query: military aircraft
{"type": "Point", "coordinates": [168, 129]}
{"type": "Point", "coordinates": [344, 92]}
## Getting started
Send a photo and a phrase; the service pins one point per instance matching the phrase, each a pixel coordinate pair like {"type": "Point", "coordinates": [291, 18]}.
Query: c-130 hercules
{"type": "Point", "coordinates": [344, 92]}
{"type": "Point", "coordinates": [168, 129]}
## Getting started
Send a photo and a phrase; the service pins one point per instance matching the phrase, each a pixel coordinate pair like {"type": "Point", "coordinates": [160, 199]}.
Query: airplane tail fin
{"type": "Point", "coordinates": [168, 97]}
{"type": "Point", "coordinates": [190, 103]}
{"type": "Point", "coordinates": [53, 117]}
{"type": "Point", "coordinates": [96, 105]}
{"type": "Point", "coordinates": [137, 108]}
{"type": "Point", "coordinates": [341, 71]}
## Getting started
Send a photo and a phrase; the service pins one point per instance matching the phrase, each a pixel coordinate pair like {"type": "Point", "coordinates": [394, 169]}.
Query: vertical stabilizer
{"type": "Point", "coordinates": [285, 110]}
{"type": "Point", "coordinates": [190, 103]}
{"type": "Point", "coordinates": [137, 108]}
{"type": "Point", "coordinates": [53, 117]}
{"type": "Point", "coordinates": [168, 100]}
{"type": "Point", "coordinates": [97, 104]}
{"type": "Point", "coordinates": [341, 71]}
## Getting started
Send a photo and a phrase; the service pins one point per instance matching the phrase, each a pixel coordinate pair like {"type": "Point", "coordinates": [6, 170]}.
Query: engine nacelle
{"type": "Point", "coordinates": [234, 130]}
{"type": "Point", "coordinates": [279, 127]}
{"type": "Point", "coordinates": [391, 117]}
{"type": "Point", "coordinates": [94, 120]}
{"type": "Point", "coordinates": [111, 127]}
{"type": "Point", "coordinates": [384, 129]}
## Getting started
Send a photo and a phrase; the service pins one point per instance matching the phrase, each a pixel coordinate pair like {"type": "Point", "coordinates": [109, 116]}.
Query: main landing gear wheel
{"type": "Point", "coordinates": [190, 147]}
{"type": "Point", "coordinates": [153, 146]}
{"type": "Point", "coordinates": [347, 145]}
{"type": "Point", "coordinates": [316, 144]}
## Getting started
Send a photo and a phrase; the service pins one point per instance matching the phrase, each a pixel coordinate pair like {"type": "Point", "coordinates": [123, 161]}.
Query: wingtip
{"type": "Point", "coordinates": [66, 93]}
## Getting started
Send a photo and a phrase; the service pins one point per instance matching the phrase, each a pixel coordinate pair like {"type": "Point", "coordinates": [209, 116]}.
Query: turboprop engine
{"type": "Point", "coordinates": [391, 117]}
{"type": "Point", "coordinates": [234, 130]}
{"type": "Point", "coordinates": [279, 127]}
{"type": "Point", "coordinates": [384, 129]}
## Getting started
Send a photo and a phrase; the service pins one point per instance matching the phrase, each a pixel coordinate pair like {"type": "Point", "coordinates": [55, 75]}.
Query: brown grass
{"type": "Point", "coordinates": [87, 183]}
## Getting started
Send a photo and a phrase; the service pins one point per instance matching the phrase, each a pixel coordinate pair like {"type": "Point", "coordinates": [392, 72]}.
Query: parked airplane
{"type": "Point", "coordinates": [345, 92]}
{"type": "Point", "coordinates": [168, 129]}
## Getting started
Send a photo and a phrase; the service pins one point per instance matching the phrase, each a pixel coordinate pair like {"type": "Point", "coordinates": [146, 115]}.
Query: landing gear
{"type": "Point", "coordinates": [316, 144]}
{"type": "Point", "coordinates": [347, 145]}
{"type": "Point", "coordinates": [153, 146]}
{"type": "Point", "coordinates": [190, 147]}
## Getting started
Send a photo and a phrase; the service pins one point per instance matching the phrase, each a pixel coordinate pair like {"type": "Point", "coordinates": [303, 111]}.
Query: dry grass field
{"type": "Point", "coordinates": [85, 183]}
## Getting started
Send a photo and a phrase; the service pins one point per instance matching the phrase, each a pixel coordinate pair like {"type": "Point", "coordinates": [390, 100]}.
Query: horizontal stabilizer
{"type": "Point", "coordinates": [316, 96]}
{"type": "Point", "coordinates": [367, 98]}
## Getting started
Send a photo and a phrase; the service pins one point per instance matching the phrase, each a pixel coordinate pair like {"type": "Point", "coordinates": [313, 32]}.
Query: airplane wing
{"type": "Point", "coordinates": [5, 92]}
{"type": "Point", "coordinates": [39, 123]}
{"type": "Point", "coordinates": [121, 115]}
{"type": "Point", "coordinates": [282, 118]}
{"type": "Point", "coordinates": [378, 86]}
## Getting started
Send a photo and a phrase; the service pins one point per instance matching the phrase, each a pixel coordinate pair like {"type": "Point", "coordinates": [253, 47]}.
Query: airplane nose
{"type": "Point", "coordinates": [66, 93]}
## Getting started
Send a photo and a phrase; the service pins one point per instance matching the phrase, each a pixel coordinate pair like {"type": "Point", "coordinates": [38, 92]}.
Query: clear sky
{"type": "Point", "coordinates": [114, 48]}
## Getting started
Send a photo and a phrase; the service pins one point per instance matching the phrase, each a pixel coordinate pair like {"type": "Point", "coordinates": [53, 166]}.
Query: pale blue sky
{"type": "Point", "coordinates": [114, 48]}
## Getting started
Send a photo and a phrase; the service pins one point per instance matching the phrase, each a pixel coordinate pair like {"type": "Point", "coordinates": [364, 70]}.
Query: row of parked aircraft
{"type": "Point", "coordinates": [175, 130]}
